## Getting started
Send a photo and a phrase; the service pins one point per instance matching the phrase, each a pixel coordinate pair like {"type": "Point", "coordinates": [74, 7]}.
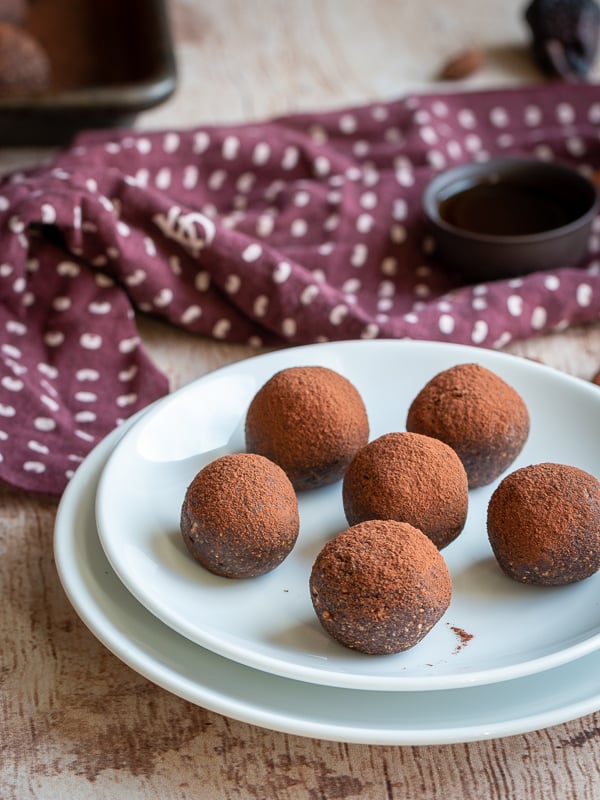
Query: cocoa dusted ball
{"type": "Point", "coordinates": [410, 478]}
{"type": "Point", "coordinates": [480, 416]}
{"type": "Point", "coordinates": [544, 524]}
{"type": "Point", "coordinates": [380, 586]}
{"type": "Point", "coordinates": [24, 64]}
{"type": "Point", "coordinates": [309, 420]}
{"type": "Point", "coordinates": [240, 516]}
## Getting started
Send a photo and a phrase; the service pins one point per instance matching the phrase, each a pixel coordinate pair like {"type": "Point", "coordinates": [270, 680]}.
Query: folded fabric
{"type": "Point", "coordinates": [300, 229]}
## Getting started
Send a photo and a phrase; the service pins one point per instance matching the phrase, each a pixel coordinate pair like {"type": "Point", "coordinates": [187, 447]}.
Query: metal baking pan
{"type": "Point", "coordinates": [110, 59]}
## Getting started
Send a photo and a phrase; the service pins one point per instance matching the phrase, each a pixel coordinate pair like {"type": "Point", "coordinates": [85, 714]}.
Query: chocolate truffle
{"type": "Point", "coordinates": [240, 517]}
{"type": "Point", "coordinates": [480, 416]}
{"type": "Point", "coordinates": [380, 586]}
{"type": "Point", "coordinates": [310, 421]}
{"type": "Point", "coordinates": [24, 64]}
{"type": "Point", "coordinates": [409, 478]}
{"type": "Point", "coordinates": [544, 524]}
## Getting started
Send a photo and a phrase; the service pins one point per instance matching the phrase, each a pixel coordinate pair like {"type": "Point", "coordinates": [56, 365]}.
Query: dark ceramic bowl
{"type": "Point", "coordinates": [510, 216]}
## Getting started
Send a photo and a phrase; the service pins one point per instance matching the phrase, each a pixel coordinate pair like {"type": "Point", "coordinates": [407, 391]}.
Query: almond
{"type": "Point", "coordinates": [462, 65]}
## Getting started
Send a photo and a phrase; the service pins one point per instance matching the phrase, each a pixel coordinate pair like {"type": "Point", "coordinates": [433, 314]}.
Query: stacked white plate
{"type": "Point", "coordinates": [505, 658]}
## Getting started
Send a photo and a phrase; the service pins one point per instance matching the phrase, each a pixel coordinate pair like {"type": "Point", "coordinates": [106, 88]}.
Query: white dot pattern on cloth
{"type": "Point", "coordinates": [304, 229]}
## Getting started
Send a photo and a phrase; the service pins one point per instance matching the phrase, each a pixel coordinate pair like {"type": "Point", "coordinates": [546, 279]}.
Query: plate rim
{"type": "Point", "coordinates": [135, 653]}
{"type": "Point", "coordinates": [357, 680]}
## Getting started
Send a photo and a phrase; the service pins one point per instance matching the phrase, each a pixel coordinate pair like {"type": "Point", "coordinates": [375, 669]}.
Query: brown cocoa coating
{"type": "Point", "coordinates": [380, 586]}
{"type": "Point", "coordinates": [410, 478]}
{"type": "Point", "coordinates": [544, 524]}
{"type": "Point", "coordinates": [478, 414]}
{"type": "Point", "coordinates": [309, 420]}
{"type": "Point", "coordinates": [240, 517]}
{"type": "Point", "coordinates": [24, 65]}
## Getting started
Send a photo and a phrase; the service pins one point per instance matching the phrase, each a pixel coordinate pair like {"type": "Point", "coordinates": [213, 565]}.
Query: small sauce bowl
{"type": "Point", "coordinates": [510, 216]}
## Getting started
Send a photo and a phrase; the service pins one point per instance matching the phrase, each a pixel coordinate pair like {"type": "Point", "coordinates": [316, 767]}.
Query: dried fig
{"type": "Point", "coordinates": [564, 36]}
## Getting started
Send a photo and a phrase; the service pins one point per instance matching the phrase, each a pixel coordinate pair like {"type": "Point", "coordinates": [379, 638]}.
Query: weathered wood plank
{"type": "Point", "coordinates": [76, 722]}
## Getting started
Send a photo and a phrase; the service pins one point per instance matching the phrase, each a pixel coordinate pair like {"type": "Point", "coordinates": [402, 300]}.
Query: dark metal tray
{"type": "Point", "coordinates": [110, 60]}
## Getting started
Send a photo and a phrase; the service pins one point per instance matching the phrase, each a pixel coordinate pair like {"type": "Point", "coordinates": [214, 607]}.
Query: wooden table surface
{"type": "Point", "coordinates": [75, 721]}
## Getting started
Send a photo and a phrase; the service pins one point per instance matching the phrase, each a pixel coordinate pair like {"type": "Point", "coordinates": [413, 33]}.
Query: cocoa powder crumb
{"type": "Point", "coordinates": [463, 637]}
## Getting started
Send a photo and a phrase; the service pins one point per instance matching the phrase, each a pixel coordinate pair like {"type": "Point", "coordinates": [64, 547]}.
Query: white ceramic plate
{"type": "Point", "coordinates": [388, 718]}
{"type": "Point", "coordinates": [268, 622]}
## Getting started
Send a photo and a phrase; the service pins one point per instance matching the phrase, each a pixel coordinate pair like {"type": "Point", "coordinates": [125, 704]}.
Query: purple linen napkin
{"type": "Point", "coordinates": [295, 230]}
